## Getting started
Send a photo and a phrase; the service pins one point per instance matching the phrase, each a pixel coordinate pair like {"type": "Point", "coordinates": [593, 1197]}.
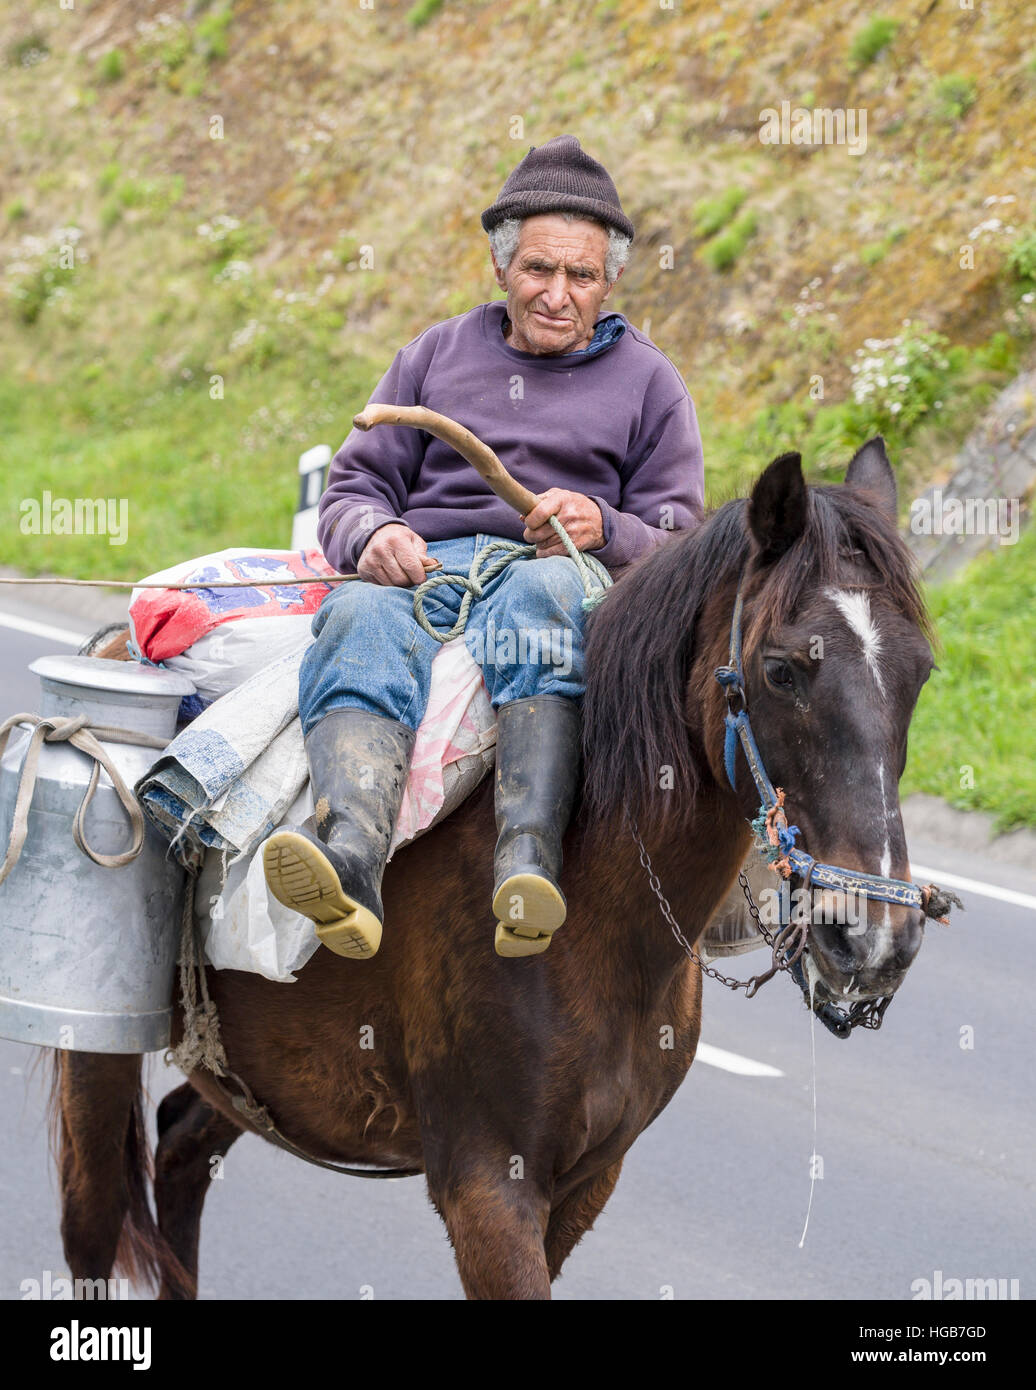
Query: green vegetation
{"type": "Point", "coordinates": [16, 210]}
{"type": "Point", "coordinates": [112, 65]}
{"type": "Point", "coordinates": [212, 34]}
{"type": "Point", "coordinates": [176, 49]}
{"type": "Point", "coordinates": [871, 41]}
{"type": "Point", "coordinates": [712, 214]}
{"type": "Point", "coordinates": [1021, 259]}
{"type": "Point", "coordinates": [149, 197]}
{"type": "Point", "coordinates": [953, 97]}
{"type": "Point", "coordinates": [200, 473]}
{"type": "Point", "coordinates": [111, 212]}
{"type": "Point", "coordinates": [973, 739]}
{"type": "Point", "coordinates": [723, 250]}
{"type": "Point", "coordinates": [876, 251]}
{"type": "Point", "coordinates": [918, 390]}
{"type": "Point", "coordinates": [421, 12]}
{"type": "Point", "coordinates": [28, 51]}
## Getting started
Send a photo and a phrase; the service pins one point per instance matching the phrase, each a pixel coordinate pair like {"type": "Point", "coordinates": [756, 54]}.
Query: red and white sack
{"type": "Point", "coordinates": [165, 622]}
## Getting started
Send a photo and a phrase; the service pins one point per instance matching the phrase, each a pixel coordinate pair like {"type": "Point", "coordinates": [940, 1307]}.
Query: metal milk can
{"type": "Point", "coordinates": [88, 949]}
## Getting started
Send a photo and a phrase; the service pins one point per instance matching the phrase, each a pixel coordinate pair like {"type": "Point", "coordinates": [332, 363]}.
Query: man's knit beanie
{"type": "Point", "coordinates": [559, 177]}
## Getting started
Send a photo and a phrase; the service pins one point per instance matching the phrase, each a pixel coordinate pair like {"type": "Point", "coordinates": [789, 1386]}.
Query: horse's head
{"type": "Point", "coordinates": [835, 656]}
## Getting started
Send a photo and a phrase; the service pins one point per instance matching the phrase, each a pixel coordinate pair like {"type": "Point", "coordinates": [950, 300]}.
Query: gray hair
{"type": "Point", "coordinates": [504, 241]}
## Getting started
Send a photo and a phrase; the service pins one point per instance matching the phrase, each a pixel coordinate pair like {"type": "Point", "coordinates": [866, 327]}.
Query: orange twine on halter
{"type": "Point", "coordinates": [776, 821]}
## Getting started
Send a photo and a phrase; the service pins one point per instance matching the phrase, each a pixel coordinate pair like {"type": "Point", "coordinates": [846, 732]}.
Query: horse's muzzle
{"type": "Point", "coordinates": [867, 958]}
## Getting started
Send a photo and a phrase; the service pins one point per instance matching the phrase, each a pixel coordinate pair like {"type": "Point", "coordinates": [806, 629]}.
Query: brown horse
{"type": "Point", "coordinates": [517, 1086]}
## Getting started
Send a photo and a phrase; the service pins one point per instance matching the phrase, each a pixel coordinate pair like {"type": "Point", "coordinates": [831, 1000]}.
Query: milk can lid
{"type": "Point", "coordinates": [114, 677]}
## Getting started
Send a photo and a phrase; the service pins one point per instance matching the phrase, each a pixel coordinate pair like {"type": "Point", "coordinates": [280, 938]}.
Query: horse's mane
{"type": "Point", "coordinates": [643, 639]}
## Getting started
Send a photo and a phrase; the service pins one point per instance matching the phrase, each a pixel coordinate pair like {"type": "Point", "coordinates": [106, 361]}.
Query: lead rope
{"type": "Point", "coordinates": [491, 561]}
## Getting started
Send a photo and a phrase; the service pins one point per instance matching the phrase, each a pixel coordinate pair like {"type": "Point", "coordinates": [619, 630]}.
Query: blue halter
{"type": "Point", "coordinates": [812, 873]}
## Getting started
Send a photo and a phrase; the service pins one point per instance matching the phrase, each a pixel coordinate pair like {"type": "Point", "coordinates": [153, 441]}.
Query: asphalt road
{"type": "Point", "coordinates": [926, 1147]}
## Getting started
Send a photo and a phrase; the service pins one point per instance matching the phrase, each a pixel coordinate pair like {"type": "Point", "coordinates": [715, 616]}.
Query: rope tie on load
{"type": "Point", "coordinates": [202, 1046]}
{"type": "Point", "coordinates": [490, 562]}
{"type": "Point", "coordinates": [88, 738]}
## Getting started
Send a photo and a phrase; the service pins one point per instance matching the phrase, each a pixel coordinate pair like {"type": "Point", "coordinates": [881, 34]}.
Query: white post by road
{"type": "Point", "coordinates": [312, 468]}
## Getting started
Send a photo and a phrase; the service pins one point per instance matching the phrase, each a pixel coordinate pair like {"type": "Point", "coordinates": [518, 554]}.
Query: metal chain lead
{"type": "Point", "coordinates": [791, 941]}
{"type": "Point", "coordinates": [667, 912]}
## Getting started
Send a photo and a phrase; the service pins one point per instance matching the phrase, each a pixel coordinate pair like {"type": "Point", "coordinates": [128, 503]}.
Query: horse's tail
{"type": "Point", "coordinates": [107, 1223]}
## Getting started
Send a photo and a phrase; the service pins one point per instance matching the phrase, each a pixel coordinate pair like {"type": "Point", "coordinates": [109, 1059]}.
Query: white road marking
{"type": "Point", "coordinates": [52, 634]}
{"type": "Point", "coordinates": [855, 608]}
{"type": "Point", "coordinates": [732, 1061]}
{"type": "Point", "coordinates": [974, 885]}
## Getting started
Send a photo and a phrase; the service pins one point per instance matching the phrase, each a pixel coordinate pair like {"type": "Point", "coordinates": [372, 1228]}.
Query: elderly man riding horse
{"type": "Point", "coordinates": [584, 410]}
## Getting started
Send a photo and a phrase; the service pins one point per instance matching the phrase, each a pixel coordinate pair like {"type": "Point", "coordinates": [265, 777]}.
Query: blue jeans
{"type": "Point", "coordinates": [526, 633]}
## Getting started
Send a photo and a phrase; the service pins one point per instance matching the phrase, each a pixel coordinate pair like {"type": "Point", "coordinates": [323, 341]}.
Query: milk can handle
{"type": "Point", "coordinates": [86, 738]}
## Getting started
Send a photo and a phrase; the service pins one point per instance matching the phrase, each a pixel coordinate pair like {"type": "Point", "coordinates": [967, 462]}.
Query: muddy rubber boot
{"type": "Point", "coordinates": [537, 773]}
{"type": "Point", "coordinates": [330, 868]}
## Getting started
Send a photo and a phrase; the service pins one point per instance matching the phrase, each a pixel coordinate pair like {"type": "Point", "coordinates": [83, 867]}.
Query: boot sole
{"type": "Point", "coordinates": [301, 878]}
{"type": "Point", "coordinates": [543, 910]}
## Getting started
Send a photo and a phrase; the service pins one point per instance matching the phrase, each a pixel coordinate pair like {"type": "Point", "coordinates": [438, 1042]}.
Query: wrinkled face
{"type": "Point", "coordinates": [555, 284]}
{"type": "Point", "coordinates": [832, 694]}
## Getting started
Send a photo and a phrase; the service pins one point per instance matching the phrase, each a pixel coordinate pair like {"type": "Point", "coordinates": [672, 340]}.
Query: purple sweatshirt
{"type": "Point", "coordinates": [617, 426]}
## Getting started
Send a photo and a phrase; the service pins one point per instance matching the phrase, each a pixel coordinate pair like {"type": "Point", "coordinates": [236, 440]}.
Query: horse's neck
{"type": "Point", "coordinates": [694, 864]}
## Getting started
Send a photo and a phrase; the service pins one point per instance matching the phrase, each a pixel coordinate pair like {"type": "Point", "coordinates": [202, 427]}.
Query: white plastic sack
{"type": "Point", "coordinates": [232, 653]}
{"type": "Point", "coordinates": [243, 928]}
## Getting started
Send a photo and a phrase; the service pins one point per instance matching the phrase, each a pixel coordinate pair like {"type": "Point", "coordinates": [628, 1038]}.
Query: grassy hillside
{"type": "Point", "coordinates": [219, 220]}
{"type": "Point", "coordinates": [973, 739]}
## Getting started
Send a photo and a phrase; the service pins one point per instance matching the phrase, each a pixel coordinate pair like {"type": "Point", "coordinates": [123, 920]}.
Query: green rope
{"type": "Point", "coordinates": [492, 560]}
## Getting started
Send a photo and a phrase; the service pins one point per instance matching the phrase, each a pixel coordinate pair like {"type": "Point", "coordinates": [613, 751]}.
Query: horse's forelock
{"type": "Point", "coordinates": [844, 535]}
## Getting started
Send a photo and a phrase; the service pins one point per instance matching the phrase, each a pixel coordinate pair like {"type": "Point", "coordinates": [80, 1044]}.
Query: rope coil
{"type": "Point", "coordinates": [491, 561]}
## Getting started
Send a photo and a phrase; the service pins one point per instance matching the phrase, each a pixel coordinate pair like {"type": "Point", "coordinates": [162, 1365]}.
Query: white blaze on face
{"type": "Point", "coordinates": [883, 936]}
{"type": "Point", "coordinates": [855, 608]}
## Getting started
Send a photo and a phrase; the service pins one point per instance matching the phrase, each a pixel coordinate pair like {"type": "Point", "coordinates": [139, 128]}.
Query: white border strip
{"type": "Point", "coordinates": [973, 885]}
{"type": "Point", "coordinates": [52, 634]}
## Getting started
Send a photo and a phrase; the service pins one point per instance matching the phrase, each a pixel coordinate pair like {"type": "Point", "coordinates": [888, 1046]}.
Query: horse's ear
{"type": "Point", "coordinates": [777, 507]}
{"type": "Point", "coordinates": [871, 472]}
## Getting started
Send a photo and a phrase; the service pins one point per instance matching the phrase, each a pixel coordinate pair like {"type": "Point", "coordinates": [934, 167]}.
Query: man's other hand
{"type": "Point", "coordinates": [580, 516]}
{"type": "Point", "coordinates": [395, 555]}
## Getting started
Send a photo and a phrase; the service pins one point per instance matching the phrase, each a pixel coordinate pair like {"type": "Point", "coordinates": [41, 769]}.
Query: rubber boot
{"type": "Point", "coordinates": [330, 869]}
{"type": "Point", "coordinates": [537, 773]}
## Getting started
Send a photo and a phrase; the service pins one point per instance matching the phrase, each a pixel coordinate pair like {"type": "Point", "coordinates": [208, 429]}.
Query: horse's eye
{"type": "Point", "coordinates": [779, 673]}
